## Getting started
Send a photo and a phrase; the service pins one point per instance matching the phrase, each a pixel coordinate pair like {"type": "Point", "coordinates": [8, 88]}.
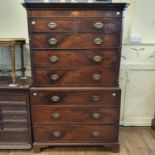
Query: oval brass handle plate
{"type": "Point", "coordinates": [95, 134]}
{"type": "Point", "coordinates": [99, 25]}
{"type": "Point", "coordinates": [96, 98]}
{"type": "Point", "coordinates": [52, 25]}
{"type": "Point", "coordinates": [55, 115]}
{"type": "Point", "coordinates": [98, 41]}
{"type": "Point", "coordinates": [53, 41]}
{"type": "Point", "coordinates": [96, 77]}
{"type": "Point", "coordinates": [55, 98]}
{"type": "Point", "coordinates": [53, 59]}
{"type": "Point", "coordinates": [97, 58]}
{"type": "Point", "coordinates": [57, 134]}
{"type": "Point", "coordinates": [54, 77]}
{"type": "Point", "coordinates": [96, 115]}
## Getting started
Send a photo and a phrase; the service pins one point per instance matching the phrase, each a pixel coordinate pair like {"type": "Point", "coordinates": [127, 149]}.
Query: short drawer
{"type": "Point", "coordinates": [14, 124]}
{"type": "Point", "coordinates": [77, 96]}
{"type": "Point", "coordinates": [76, 77]}
{"type": "Point", "coordinates": [75, 58]}
{"type": "Point", "coordinates": [103, 25]}
{"type": "Point", "coordinates": [52, 25]}
{"type": "Point", "coordinates": [74, 41]}
{"type": "Point", "coordinates": [13, 107]}
{"type": "Point", "coordinates": [75, 133]}
{"type": "Point", "coordinates": [13, 136]}
{"type": "Point", "coordinates": [12, 96]}
{"type": "Point", "coordinates": [14, 115]}
{"type": "Point", "coordinates": [75, 115]}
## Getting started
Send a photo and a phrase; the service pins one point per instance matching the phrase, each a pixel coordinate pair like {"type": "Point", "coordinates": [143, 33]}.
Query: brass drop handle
{"type": "Point", "coordinates": [55, 115]}
{"type": "Point", "coordinates": [97, 58]}
{"type": "Point", "coordinates": [53, 59]}
{"type": "Point", "coordinates": [53, 41]}
{"type": "Point", "coordinates": [96, 98]}
{"type": "Point", "coordinates": [95, 134]}
{"type": "Point", "coordinates": [55, 98]}
{"type": "Point", "coordinates": [96, 115]}
{"type": "Point", "coordinates": [57, 134]}
{"type": "Point", "coordinates": [98, 41]}
{"type": "Point", "coordinates": [52, 25]}
{"type": "Point", "coordinates": [96, 77]}
{"type": "Point", "coordinates": [54, 77]}
{"type": "Point", "coordinates": [99, 25]}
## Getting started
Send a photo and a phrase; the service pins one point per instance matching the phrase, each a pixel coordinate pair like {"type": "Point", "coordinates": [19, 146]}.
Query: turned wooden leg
{"type": "Point", "coordinates": [116, 148]}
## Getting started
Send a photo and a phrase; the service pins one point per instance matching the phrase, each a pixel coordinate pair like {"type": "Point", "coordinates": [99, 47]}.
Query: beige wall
{"type": "Point", "coordinates": [13, 21]}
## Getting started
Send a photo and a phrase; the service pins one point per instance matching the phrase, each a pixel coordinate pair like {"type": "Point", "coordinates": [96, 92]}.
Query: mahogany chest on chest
{"type": "Point", "coordinates": [75, 56]}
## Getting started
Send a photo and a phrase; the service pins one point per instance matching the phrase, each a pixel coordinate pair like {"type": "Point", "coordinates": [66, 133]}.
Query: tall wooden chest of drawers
{"type": "Point", "coordinates": [75, 55]}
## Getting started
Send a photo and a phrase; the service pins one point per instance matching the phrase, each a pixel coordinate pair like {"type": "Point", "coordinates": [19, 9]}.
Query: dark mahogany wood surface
{"type": "Point", "coordinates": [76, 77]}
{"type": "Point", "coordinates": [72, 58]}
{"type": "Point", "coordinates": [110, 25]}
{"type": "Point", "coordinates": [90, 97]}
{"type": "Point", "coordinates": [76, 133]}
{"type": "Point", "coordinates": [74, 41]}
{"type": "Point", "coordinates": [74, 115]}
{"type": "Point", "coordinates": [75, 55]}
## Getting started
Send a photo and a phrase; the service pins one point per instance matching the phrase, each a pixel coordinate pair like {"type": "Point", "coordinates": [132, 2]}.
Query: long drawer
{"type": "Point", "coordinates": [76, 96]}
{"type": "Point", "coordinates": [75, 58]}
{"type": "Point", "coordinates": [75, 133]}
{"type": "Point", "coordinates": [75, 115]}
{"type": "Point", "coordinates": [88, 76]}
{"type": "Point", "coordinates": [74, 41]}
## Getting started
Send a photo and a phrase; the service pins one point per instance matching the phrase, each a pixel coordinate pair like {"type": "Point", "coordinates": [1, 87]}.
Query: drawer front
{"type": "Point", "coordinates": [74, 13]}
{"type": "Point", "coordinates": [75, 97]}
{"type": "Point", "coordinates": [75, 133]}
{"type": "Point", "coordinates": [52, 25]}
{"type": "Point", "coordinates": [14, 124]}
{"type": "Point", "coordinates": [73, 41]}
{"type": "Point", "coordinates": [76, 77]}
{"type": "Point", "coordinates": [8, 136]}
{"type": "Point", "coordinates": [12, 96]}
{"type": "Point", "coordinates": [14, 116]}
{"type": "Point", "coordinates": [103, 25]}
{"type": "Point", "coordinates": [75, 115]}
{"type": "Point", "coordinates": [72, 58]}
{"type": "Point", "coordinates": [13, 107]}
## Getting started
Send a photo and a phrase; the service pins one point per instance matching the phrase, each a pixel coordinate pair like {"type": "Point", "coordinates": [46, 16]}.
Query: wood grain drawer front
{"type": "Point", "coordinates": [12, 96]}
{"type": "Point", "coordinates": [10, 136]}
{"type": "Point", "coordinates": [72, 58]}
{"type": "Point", "coordinates": [73, 41]}
{"type": "Point", "coordinates": [14, 124]}
{"type": "Point", "coordinates": [75, 115]}
{"type": "Point", "coordinates": [75, 13]}
{"type": "Point", "coordinates": [72, 97]}
{"type": "Point", "coordinates": [52, 25]}
{"type": "Point", "coordinates": [103, 25]}
{"type": "Point", "coordinates": [14, 115]}
{"type": "Point", "coordinates": [75, 133]}
{"type": "Point", "coordinates": [13, 107]}
{"type": "Point", "coordinates": [76, 77]}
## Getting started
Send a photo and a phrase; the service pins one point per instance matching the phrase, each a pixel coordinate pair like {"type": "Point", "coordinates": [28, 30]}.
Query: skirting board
{"type": "Point", "coordinates": [137, 122]}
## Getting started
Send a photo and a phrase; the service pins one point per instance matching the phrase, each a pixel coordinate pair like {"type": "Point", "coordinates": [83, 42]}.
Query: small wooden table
{"type": "Point", "coordinates": [12, 43]}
